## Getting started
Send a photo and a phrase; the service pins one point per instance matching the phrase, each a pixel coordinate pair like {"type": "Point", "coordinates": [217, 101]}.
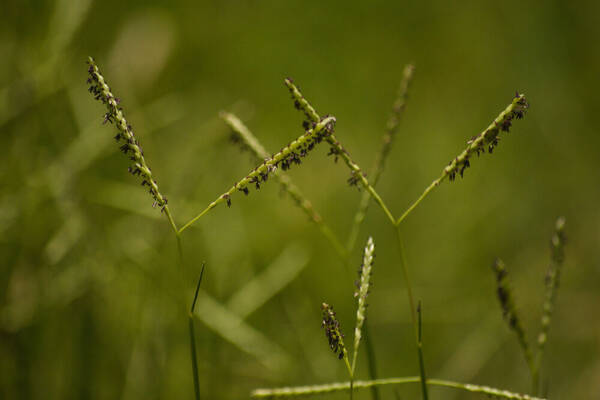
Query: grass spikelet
{"type": "Point", "coordinates": [125, 136]}
{"type": "Point", "coordinates": [552, 281]}
{"type": "Point", "coordinates": [509, 309]}
{"type": "Point", "coordinates": [486, 140]}
{"type": "Point", "coordinates": [301, 103]}
{"type": "Point", "coordinates": [364, 285]}
{"type": "Point", "coordinates": [489, 138]}
{"type": "Point", "coordinates": [334, 335]}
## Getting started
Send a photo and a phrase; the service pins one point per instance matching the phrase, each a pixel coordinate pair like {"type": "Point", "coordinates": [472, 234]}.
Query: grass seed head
{"type": "Point", "coordinates": [489, 138]}
{"type": "Point", "coordinates": [332, 331]}
{"type": "Point", "coordinates": [129, 145]}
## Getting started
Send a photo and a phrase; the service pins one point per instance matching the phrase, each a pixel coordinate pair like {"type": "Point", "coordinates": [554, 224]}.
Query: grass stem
{"type": "Point", "coordinates": [171, 220]}
{"type": "Point", "coordinates": [421, 360]}
{"type": "Point", "coordinates": [359, 175]}
{"type": "Point", "coordinates": [342, 386]}
{"type": "Point", "coordinates": [371, 361]}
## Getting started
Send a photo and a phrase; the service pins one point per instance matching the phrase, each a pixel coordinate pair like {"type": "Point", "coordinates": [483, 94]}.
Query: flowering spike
{"type": "Point", "coordinates": [364, 285]}
{"type": "Point", "coordinates": [129, 145]}
{"type": "Point", "coordinates": [332, 332]}
{"type": "Point", "coordinates": [509, 309]}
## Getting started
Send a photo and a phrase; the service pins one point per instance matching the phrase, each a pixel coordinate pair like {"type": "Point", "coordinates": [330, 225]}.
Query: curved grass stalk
{"type": "Point", "coordinates": [488, 139]}
{"type": "Point", "coordinates": [286, 183]}
{"type": "Point", "coordinates": [344, 386]}
{"type": "Point", "coordinates": [288, 154]}
{"type": "Point", "coordinates": [381, 156]}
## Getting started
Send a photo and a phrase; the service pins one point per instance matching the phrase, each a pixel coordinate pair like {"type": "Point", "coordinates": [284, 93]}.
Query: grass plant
{"type": "Point", "coordinates": [317, 130]}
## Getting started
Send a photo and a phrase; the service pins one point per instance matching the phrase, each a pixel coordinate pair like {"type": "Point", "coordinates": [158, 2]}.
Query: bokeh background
{"type": "Point", "coordinates": [92, 301]}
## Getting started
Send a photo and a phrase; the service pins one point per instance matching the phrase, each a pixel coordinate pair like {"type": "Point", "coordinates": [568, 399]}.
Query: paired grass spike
{"type": "Point", "coordinates": [356, 174]}
{"type": "Point", "coordinates": [509, 309]}
{"type": "Point", "coordinates": [243, 134]}
{"type": "Point", "coordinates": [486, 140]}
{"type": "Point", "coordinates": [125, 136]}
{"type": "Point", "coordinates": [381, 156]}
{"type": "Point", "coordinates": [300, 391]}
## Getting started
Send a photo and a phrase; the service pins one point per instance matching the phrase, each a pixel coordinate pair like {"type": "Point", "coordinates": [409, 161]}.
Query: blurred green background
{"type": "Point", "coordinates": [92, 301]}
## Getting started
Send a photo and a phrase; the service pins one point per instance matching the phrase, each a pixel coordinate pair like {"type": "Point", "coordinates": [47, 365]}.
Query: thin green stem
{"type": "Point", "coordinates": [197, 217]}
{"type": "Point", "coordinates": [371, 361]}
{"type": "Point", "coordinates": [404, 268]}
{"type": "Point", "coordinates": [171, 220]}
{"type": "Point", "coordinates": [416, 203]}
{"type": "Point", "coordinates": [341, 386]}
{"type": "Point", "coordinates": [359, 175]}
{"type": "Point", "coordinates": [421, 360]}
{"type": "Point", "coordinates": [411, 303]}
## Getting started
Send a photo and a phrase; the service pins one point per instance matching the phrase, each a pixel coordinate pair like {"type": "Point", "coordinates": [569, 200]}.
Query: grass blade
{"type": "Point", "coordinates": [292, 260]}
{"type": "Point", "coordinates": [193, 339]}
